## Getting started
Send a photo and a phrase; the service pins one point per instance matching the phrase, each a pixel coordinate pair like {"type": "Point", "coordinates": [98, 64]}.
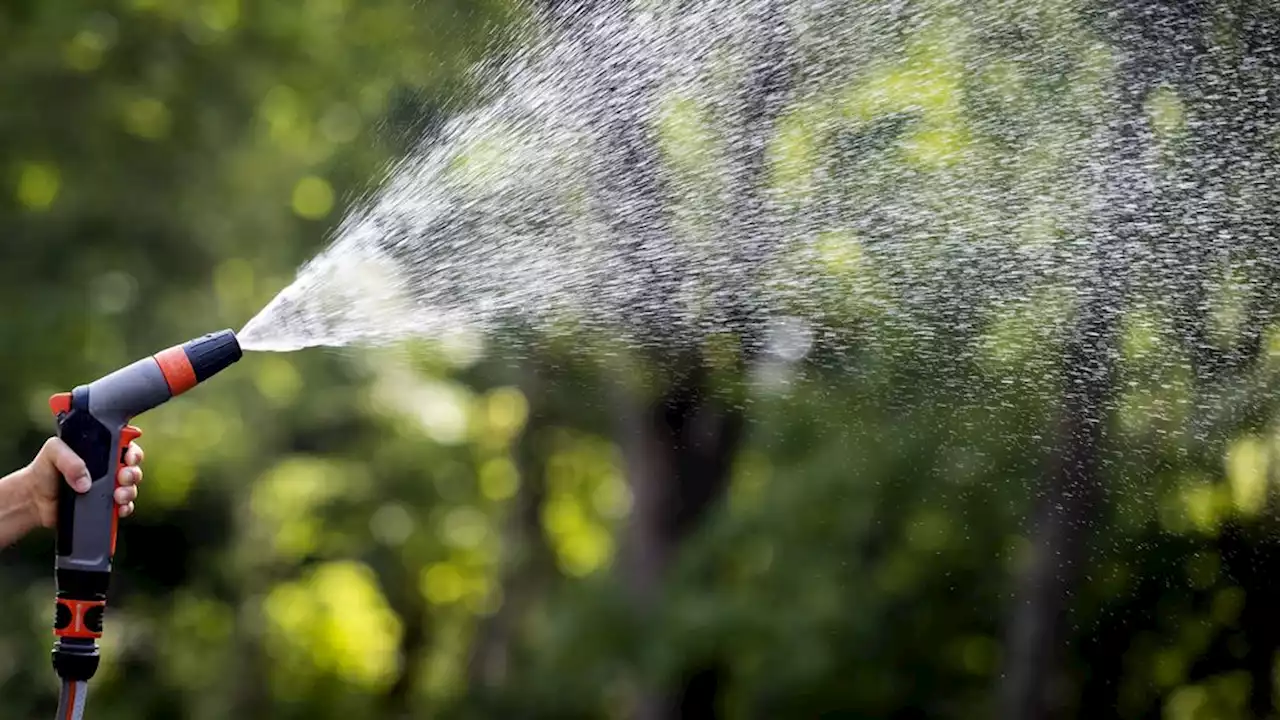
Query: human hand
{"type": "Point", "coordinates": [57, 463]}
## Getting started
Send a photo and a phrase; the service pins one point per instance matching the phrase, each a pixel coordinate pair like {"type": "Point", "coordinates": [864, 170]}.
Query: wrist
{"type": "Point", "coordinates": [19, 514]}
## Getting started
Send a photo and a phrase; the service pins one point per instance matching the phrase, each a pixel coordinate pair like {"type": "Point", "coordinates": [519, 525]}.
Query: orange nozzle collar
{"type": "Point", "coordinates": [177, 370]}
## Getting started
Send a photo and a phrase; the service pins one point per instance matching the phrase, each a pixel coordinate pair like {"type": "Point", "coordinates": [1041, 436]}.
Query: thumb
{"type": "Point", "coordinates": [57, 455]}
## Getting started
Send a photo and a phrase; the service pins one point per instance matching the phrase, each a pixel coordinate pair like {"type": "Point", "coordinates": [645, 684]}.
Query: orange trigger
{"type": "Point", "coordinates": [128, 435]}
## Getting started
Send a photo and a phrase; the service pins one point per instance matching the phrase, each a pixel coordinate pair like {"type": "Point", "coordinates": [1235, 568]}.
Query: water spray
{"type": "Point", "coordinates": [93, 420]}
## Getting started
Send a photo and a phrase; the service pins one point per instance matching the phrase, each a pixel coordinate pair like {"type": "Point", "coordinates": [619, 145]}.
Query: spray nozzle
{"type": "Point", "coordinates": [212, 353]}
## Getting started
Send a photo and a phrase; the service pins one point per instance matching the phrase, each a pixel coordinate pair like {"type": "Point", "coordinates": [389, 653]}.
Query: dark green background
{"type": "Point", "coordinates": [419, 532]}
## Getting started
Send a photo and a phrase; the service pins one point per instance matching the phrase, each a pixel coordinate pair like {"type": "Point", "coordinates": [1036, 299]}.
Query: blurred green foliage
{"type": "Point", "coordinates": [328, 534]}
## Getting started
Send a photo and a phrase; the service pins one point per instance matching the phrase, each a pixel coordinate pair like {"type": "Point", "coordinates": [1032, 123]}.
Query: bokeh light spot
{"type": "Point", "coordinates": [312, 197]}
{"type": "Point", "coordinates": [38, 185]}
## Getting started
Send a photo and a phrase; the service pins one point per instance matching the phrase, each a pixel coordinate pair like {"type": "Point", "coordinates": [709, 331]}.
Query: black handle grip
{"type": "Point", "coordinates": [85, 520]}
{"type": "Point", "coordinates": [85, 540]}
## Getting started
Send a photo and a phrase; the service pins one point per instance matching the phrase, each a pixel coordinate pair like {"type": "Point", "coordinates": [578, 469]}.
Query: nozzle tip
{"type": "Point", "coordinates": [212, 353]}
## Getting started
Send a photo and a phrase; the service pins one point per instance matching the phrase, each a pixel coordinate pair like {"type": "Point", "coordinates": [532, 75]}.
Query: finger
{"type": "Point", "coordinates": [125, 495]}
{"type": "Point", "coordinates": [129, 476]}
{"type": "Point", "coordinates": [63, 459]}
{"type": "Point", "coordinates": [134, 455]}
{"type": "Point", "coordinates": [127, 510]}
